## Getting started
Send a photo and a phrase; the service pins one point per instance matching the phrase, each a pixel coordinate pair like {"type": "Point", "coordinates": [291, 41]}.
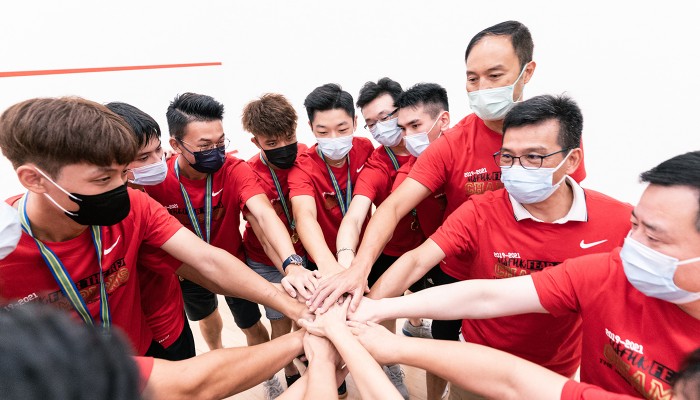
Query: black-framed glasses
{"type": "Point", "coordinates": [209, 148]}
{"type": "Point", "coordinates": [382, 119]}
{"type": "Point", "coordinates": [527, 161]}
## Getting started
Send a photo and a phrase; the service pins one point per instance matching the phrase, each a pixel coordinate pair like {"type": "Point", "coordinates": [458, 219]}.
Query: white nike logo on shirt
{"type": "Point", "coordinates": [360, 169]}
{"type": "Point", "coordinates": [109, 250]}
{"type": "Point", "coordinates": [589, 245]}
{"type": "Point", "coordinates": [216, 193]}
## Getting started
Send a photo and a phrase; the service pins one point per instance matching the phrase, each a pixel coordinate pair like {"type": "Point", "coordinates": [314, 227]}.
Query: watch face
{"type": "Point", "coordinates": [296, 259]}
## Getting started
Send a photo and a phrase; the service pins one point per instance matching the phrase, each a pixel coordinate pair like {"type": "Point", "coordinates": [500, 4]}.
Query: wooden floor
{"type": "Point", "coordinates": [232, 337]}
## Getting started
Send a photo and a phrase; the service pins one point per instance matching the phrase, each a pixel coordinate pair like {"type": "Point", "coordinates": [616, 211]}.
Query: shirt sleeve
{"type": "Point", "coordinates": [457, 235]}
{"type": "Point", "coordinates": [242, 177]}
{"type": "Point", "coordinates": [555, 287]}
{"type": "Point", "coordinates": [299, 182]}
{"type": "Point", "coordinates": [431, 167]}
{"type": "Point", "coordinates": [582, 391]}
{"type": "Point", "coordinates": [145, 367]}
{"type": "Point", "coordinates": [373, 178]}
{"type": "Point", "coordinates": [159, 224]}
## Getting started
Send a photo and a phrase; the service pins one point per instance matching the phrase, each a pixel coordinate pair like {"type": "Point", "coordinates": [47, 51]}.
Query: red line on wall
{"type": "Point", "coordinates": [103, 69]}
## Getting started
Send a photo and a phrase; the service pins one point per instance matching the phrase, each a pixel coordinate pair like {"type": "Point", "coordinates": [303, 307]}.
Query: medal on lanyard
{"type": "Point", "coordinates": [414, 224]}
{"type": "Point", "coordinates": [292, 224]}
{"type": "Point", "coordinates": [63, 278]}
{"type": "Point", "coordinates": [190, 210]}
{"type": "Point", "coordinates": [338, 194]}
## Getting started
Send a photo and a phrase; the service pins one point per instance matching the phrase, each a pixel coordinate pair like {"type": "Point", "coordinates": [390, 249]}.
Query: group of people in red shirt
{"type": "Point", "coordinates": [482, 228]}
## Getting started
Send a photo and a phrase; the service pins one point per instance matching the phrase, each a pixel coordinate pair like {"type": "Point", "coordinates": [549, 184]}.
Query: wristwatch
{"type": "Point", "coordinates": [293, 259]}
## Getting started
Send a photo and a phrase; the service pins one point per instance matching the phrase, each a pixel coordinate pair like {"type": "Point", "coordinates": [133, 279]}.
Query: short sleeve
{"type": "Point", "coordinates": [555, 287]}
{"type": "Point", "coordinates": [242, 177]}
{"type": "Point", "coordinates": [299, 181]}
{"type": "Point", "coordinates": [431, 167]}
{"type": "Point", "coordinates": [145, 367]}
{"type": "Point", "coordinates": [373, 179]}
{"type": "Point", "coordinates": [582, 391]}
{"type": "Point", "coordinates": [160, 226]}
{"type": "Point", "coordinates": [456, 236]}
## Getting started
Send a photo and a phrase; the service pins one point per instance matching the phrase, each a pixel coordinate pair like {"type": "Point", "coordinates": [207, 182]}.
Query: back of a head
{"type": "Point", "coordinates": [144, 126]}
{"type": "Point", "coordinates": [371, 91]}
{"type": "Point", "coordinates": [46, 355]}
{"type": "Point", "coordinates": [271, 116]}
{"type": "Point", "coordinates": [519, 35]}
{"type": "Point", "coordinates": [547, 107]}
{"type": "Point", "coordinates": [54, 132]}
{"type": "Point", "coordinates": [686, 383]}
{"type": "Point", "coordinates": [189, 107]}
{"type": "Point", "coordinates": [681, 170]}
{"type": "Point", "coordinates": [431, 96]}
{"type": "Point", "coordinates": [328, 97]}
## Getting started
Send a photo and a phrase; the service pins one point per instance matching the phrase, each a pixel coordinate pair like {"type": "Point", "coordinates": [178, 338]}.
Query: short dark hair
{"type": "Point", "coordinates": [189, 107]}
{"type": "Point", "coordinates": [520, 38]}
{"type": "Point", "coordinates": [687, 380]}
{"type": "Point", "coordinates": [371, 91]}
{"type": "Point", "coordinates": [431, 96]}
{"type": "Point", "coordinates": [46, 355]}
{"type": "Point", "coordinates": [681, 170]}
{"type": "Point", "coordinates": [547, 107]}
{"type": "Point", "coordinates": [55, 132]}
{"type": "Point", "coordinates": [271, 116]}
{"type": "Point", "coordinates": [328, 97]}
{"type": "Point", "coordinates": [144, 126]}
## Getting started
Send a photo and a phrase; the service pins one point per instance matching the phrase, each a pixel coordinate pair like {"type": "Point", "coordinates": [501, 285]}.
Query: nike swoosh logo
{"type": "Point", "coordinates": [109, 250]}
{"type": "Point", "coordinates": [589, 245]}
{"type": "Point", "coordinates": [216, 193]}
{"type": "Point", "coordinates": [360, 169]}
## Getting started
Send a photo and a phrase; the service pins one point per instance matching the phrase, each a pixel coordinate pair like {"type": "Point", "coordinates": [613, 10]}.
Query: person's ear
{"type": "Point", "coordinates": [175, 145]}
{"type": "Point", "coordinates": [574, 160]}
{"type": "Point", "coordinates": [444, 121]}
{"type": "Point", "coordinates": [529, 70]}
{"type": "Point", "coordinates": [31, 179]}
{"type": "Point", "coordinates": [254, 140]}
{"type": "Point", "coordinates": [354, 124]}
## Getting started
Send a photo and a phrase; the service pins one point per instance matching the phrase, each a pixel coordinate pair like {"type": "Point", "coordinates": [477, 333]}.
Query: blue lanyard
{"type": "Point", "coordinates": [190, 210]}
{"type": "Point", "coordinates": [63, 278]}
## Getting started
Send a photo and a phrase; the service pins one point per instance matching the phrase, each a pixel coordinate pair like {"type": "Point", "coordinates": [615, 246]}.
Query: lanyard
{"type": "Point", "coordinates": [414, 213]}
{"type": "Point", "coordinates": [338, 194]}
{"type": "Point", "coordinates": [190, 211]}
{"type": "Point", "coordinates": [290, 221]}
{"type": "Point", "coordinates": [63, 278]}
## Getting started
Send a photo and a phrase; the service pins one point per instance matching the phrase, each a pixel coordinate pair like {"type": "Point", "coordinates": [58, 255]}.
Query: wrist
{"type": "Point", "coordinates": [293, 268]}
{"type": "Point", "coordinates": [292, 259]}
{"type": "Point", "coordinates": [336, 331]}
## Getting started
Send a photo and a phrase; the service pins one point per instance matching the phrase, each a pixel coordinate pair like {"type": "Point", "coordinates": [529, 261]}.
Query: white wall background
{"type": "Point", "coordinates": [632, 66]}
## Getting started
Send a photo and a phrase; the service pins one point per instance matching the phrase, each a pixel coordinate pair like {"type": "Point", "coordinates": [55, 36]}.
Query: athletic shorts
{"type": "Point", "coordinates": [181, 349]}
{"type": "Point", "coordinates": [272, 275]}
{"type": "Point", "coordinates": [200, 303]}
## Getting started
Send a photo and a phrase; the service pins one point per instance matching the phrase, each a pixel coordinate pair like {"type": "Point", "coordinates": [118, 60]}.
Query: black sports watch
{"type": "Point", "coordinates": [293, 259]}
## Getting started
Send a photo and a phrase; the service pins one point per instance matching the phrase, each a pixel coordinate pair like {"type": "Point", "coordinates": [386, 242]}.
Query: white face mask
{"type": "Point", "coordinates": [387, 133]}
{"type": "Point", "coordinates": [418, 142]}
{"type": "Point", "coordinates": [151, 174]}
{"type": "Point", "coordinates": [493, 104]}
{"type": "Point", "coordinates": [529, 186]}
{"type": "Point", "coordinates": [651, 272]}
{"type": "Point", "coordinates": [10, 230]}
{"type": "Point", "coordinates": [335, 148]}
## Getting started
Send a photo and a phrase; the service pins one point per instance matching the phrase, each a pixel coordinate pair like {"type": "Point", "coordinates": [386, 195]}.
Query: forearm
{"type": "Point", "coordinates": [378, 233]}
{"type": "Point", "coordinates": [314, 242]}
{"type": "Point", "coordinates": [264, 242]}
{"type": "Point", "coordinates": [321, 380]}
{"type": "Point", "coordinates": [222, 373]}
{"type": "Point", "coordinates": [368, 375]}
{"type": "Point", "coordinates": [400, 276]}
{"type": "Point", "coordinates": [488, 372]}
{"type": "Point", "coordinates": [348, 238]}
{"type": "Point", "coordinates": [277, 237]}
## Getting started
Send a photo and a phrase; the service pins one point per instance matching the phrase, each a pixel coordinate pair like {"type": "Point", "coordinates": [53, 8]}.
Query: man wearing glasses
{"type": "Point", "coordinates": [541, 218]}
{"type": "Point", "coordinates": [206, 189]}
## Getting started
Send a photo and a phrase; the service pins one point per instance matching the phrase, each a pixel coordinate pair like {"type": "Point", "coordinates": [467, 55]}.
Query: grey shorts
{"type": "Point", "coordinates": [272, 275]}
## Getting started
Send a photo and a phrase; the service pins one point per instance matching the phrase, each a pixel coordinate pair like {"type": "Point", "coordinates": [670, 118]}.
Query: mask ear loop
{"type": "Point", "coordinates": [60, 188]}
{"type": "Point", "coordinates": [559, 166]}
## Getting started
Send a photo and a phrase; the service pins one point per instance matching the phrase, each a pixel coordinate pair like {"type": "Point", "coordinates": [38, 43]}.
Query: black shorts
{"type": "Point", "coordinates": [385, 261]}
{"type": "Point", "coordinates": [181, 349]}
{"type": "Point", "coordinates": [445, 330]}
{"type": "Point", "coordinates": [200, 303]}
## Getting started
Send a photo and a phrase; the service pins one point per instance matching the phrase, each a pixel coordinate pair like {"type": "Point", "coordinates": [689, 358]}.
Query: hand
{"type": "Point", "coordinates": [334, 318]}
{"type": "Point", "coordinates": [378, 341]}
{"type": "Point", "coordinates": [369, 310]}
{"type": "Point", "coordinates": [321, 348]}
{"type": "Point", "coordinates": [300, 312]}
{"type": "Point", "coordinates": [300, 280]}
{"type": "Point", "coordinates": [351, 280]}
{"type": "Point", "coordinates": [168, 153]}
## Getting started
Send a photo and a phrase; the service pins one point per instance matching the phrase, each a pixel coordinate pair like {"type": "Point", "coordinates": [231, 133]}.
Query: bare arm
{"type": "Point", "coordinates": [222, 373]}
{"type": "Point", "coordinates": [488, 372]}
{"type": "Point", "coordinates": [311, 235]}
{"type": "Point", "coordinates": [406, 270]}
{"type": "Point", "coordinates": [223, 273]}
{"type": "Point", "coordinates": [275, 231]}
{"type": "Point", "coordinates": [350, 228]}
{"type": "Point", "coordinates": [472, 299]}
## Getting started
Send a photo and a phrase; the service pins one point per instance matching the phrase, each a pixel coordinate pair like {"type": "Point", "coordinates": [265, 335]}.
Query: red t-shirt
{"type": "Point", "coordinates": [632, 343]}
{"type": "Point", "coordinates": [309, 176]}
{"type": "Point", "coordinates": [431, 211]}
{"type": "Point", "coordinates": [375, 183]}
{"type": "Point", "coordinates": [461, 161]}
{"type": "Point", "coordinates": [161, 296]}
{"type": "Point", "coordinates": [232, 186]}
{"type": "Point", "coordinates": [145, 367]}
{"type": "Point", "coordinates": [485, 234]}
{"type": "Point", "coordinates": [26, 277]}
{"type": "Point", "coordinates": [582, 391]}
{"type": "Point", "coordinates": [253, 248]}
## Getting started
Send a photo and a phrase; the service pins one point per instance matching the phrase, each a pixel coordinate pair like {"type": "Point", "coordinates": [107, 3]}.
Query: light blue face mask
{"type": "Point", "coordinates": [529, 186]}
{"type": "Point", "coordinates": [651, 272]}
{"type": "Point", "coordinates": [493, 104]}
{"type": "Point", "coordinates": [335, 148]}
{"type": "Point", "coordinates": [418, 142]}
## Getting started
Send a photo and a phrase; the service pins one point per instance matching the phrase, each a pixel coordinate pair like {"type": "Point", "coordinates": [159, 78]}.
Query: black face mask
{"type": "Point", "coordinates": [102, 209]}
{"type": "Point", "coordinates": [209, 161]}
{"type": "Point", "coordinates": [282, 157]}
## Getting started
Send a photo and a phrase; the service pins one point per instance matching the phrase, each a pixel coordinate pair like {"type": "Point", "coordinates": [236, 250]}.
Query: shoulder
{"type": "Point", "coordinates": [602, 200]}
{"type": "Point", "coordinates": [363, 145]}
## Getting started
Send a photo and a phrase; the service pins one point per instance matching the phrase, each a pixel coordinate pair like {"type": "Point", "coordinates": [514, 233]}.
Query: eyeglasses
{"type": "Point", "coordinates": [209, 148]}
{"type": "Point", "coordinates": [528, 161]}
{"type": "Point", "coordinates": [382, 119]}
